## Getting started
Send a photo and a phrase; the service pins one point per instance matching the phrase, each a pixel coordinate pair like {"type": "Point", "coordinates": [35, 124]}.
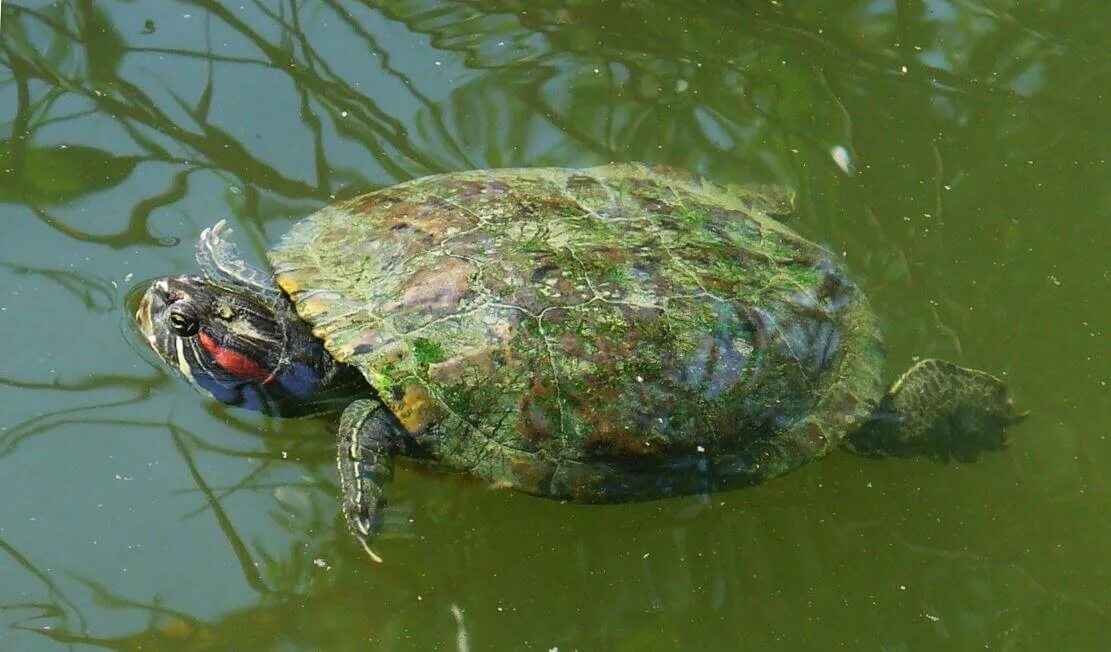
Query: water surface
{"type": "Point", "coordinates": [954, 152]}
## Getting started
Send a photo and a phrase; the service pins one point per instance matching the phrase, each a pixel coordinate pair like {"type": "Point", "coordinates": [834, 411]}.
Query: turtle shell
{"type": "Point", "coordinates": [598, 334]}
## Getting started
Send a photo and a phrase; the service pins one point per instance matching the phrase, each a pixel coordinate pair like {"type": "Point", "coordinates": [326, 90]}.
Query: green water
{"type": "Point", "coordinates": [956, 153]}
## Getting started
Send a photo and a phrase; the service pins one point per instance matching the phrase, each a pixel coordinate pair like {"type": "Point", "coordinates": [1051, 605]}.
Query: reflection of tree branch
{"type": "Point", "coordinates": [142, 387]}
{"type": "Point", "coordinates": [308, 116]}
{"type": "Point", "coordinates": [224, 451]}
{"type": "Point", "coordinates": [17, 12]}
{"type": "Point", "coordinates": [245, 483]}
{"type": "Point", "coordinates": [246, 563]}
{"type": "Point", "coordinates": [141, 211]}
{"type": "Point", "coordinates": [740, 108]}
{"type": "Point", "coordinates": [268, 459]}
{"type": "Point", "coordinates": [224, 152]}
{"type": "Point", "coordinates": [336, 95]}
{"type": "Point", "coordinates": [11, 439]}
{"type": "Point", "coordinates": [19, 124]}
{"type": "Point", "coordinates": [224, 492]}
{"type": "Point", "coordinates": [92, 292]}
{"type": "Point", "coordinates": [52, 588]}
{"type": "Point", "coordinates": [445, 136]}
{"type": "Point", "coordinates": [959, 555]}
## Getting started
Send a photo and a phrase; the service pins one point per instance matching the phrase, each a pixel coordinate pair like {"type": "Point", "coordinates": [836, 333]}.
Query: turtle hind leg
{"type": "Point", "coordinates": [368, 440]}
{"type": "Point", "coordinates": [940, 410]}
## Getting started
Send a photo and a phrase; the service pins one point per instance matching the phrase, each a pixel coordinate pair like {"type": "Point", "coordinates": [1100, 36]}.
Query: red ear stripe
{"type": "Point", "coordinates": [234, 363]}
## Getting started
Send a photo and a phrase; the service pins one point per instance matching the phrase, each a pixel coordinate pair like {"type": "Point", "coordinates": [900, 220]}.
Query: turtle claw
{"type": "Point", "coordinates": [219, 259]}
{"type": "Point", "coordinates": [212, 236]}
{"type": "Point", "coordinates": [367, 443]}
{"type": "Point", "coordinates": [370, 553]}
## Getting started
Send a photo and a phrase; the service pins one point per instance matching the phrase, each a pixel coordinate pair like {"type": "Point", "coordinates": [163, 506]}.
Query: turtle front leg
{"type": "Point", "coordinates": [221, 263]}
{"type": "Point", "coordinates": [368, 440]}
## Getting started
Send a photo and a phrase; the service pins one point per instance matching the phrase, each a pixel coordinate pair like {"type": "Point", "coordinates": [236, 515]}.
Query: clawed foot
{"type": "Point", "coordinates": [939, 410]}
{"type": "Point", "coordinates": [368, 439]}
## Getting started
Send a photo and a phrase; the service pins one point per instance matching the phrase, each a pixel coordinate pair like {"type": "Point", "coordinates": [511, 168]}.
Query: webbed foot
{"type": "Point", "coordinates": [940, 410]}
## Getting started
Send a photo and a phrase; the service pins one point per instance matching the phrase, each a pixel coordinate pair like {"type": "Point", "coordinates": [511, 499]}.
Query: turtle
{"type": "Point", "coordinates": [616, 333]}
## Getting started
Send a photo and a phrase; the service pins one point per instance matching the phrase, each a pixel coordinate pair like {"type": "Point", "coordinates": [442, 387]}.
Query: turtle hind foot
{"type": "Point", "coordinates": [940, 410]}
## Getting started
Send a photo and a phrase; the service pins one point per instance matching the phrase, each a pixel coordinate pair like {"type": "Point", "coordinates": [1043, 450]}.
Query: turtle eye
{"type": "Point", "coordinates": [183, 320]}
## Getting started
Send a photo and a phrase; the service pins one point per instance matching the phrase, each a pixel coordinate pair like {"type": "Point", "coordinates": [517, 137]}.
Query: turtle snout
{"type": "Point", "coordinates": [153, 308]}
{"type": "Point", "coordinates": [152, 303]}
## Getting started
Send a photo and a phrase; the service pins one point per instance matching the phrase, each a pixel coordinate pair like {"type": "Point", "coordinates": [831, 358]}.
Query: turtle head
{"type": "Point", "coordinates": [240, 340]}
{"type": "Point", "coordinates": [240, 349]}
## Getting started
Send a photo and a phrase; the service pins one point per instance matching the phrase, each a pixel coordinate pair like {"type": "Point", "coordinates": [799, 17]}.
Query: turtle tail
{"type": "Point", "coordinates": [939, 410]}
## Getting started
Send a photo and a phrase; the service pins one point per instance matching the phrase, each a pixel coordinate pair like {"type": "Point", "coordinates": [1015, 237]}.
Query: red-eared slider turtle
{"type": "Point", "coordinates": [607, 334]}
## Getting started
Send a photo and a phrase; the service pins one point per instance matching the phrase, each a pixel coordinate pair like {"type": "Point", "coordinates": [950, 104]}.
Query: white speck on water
{"type": "Point", "coordinates": [462, 643]}
{"type": "Point", "coordinates": [842, 158]}
{"type": "Point", "coordinates": [904, 70]}
{"type": "Point", "coordinates": [902, 587]}
{"type": "Point", "coordinates": [932, 617]}
{"type": "Point", "coordinates": [645, 555]}
{"type": "Point", "coordinates": [681, 86]}
{"type": "Point", "coordinates": [640, 379]}
{"type": "Point", "coordinates": [343, 114]}
{"type": "Point", "coordinates": [700, 449]}
{"type": "Point", "coordinates": [128, 276]}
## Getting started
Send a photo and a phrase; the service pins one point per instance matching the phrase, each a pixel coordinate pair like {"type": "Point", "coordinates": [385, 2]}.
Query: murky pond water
{"type": "Point", "coordinates": [955, 153]}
